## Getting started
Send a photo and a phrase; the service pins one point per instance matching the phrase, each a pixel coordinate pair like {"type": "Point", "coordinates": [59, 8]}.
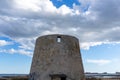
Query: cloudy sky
{"type": "Point", "coordinates": [96, 23]}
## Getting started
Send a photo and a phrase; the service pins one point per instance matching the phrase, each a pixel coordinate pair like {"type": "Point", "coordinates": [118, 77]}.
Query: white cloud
{"type": "Point", "coordinates": [64, 10]}
{"type": "Point", "coordinates": [87, 45]}
{"type": "Point", "coordinates": [4, 43]}
{"type": "Point", "coordinates": [30, 43]}
{"type": "Point", "coordinates": [27, 4]}
{"type": "Point", "coordinates": [35, 5]}
{"type": "Point", "coordinates": [44, 6]}
{"type": "Point", "coordinates": [99, 62]}
{"type": "Point", "coordinates": [17, 51]}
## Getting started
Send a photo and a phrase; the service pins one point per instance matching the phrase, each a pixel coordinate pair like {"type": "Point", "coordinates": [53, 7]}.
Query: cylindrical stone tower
{"type": "Point", "coordinates": [57, 57]}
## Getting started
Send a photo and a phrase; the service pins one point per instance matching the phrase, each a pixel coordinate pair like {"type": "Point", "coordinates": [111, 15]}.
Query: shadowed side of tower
{"type": "Point", "coordinates": [57, 57]}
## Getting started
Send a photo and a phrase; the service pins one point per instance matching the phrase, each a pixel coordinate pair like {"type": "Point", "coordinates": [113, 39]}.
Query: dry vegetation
{"type": "Point", "coordinates": [14, 78]}
{"type": "Point", "coordinates": [26, 78]}
{"type": "Point", "coordinates": [92, 79]}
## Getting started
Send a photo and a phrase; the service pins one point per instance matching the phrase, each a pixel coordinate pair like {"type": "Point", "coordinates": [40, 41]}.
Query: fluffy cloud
{"type": "Point", "coordinates": [94, 22]}
{"type": "Point", "coordinates": [99, 62]}
{"type": "Point", "coordinates": [4, 43]}
{"type": "Point", "coordinates": [18, 51]}
{"type": "Point", "coordinates": [86, 45]}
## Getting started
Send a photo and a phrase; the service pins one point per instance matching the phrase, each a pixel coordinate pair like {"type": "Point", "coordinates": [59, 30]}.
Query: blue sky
{"type": "Point", "coordinates": [96, 23]}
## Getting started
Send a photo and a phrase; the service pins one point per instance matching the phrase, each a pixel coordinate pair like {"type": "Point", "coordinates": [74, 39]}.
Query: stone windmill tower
{"type": "Point", "coordinates": [57, 57]}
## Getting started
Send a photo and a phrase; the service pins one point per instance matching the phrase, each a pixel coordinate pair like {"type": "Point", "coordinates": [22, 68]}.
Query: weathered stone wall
{"type": "Point", "coordinates": [53, 57]}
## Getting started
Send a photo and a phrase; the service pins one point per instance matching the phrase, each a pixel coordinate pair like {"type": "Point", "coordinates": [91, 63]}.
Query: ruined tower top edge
{"type": "Point", "coordinates": [58, 35]}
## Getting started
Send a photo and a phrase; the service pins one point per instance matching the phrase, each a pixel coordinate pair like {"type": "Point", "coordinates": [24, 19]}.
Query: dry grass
{"type": "Point", "coordinates": [14, 78]}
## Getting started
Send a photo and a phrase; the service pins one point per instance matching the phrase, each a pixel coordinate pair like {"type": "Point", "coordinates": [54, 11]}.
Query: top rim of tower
{"type": "Point", "coordinates": [58, 35]}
